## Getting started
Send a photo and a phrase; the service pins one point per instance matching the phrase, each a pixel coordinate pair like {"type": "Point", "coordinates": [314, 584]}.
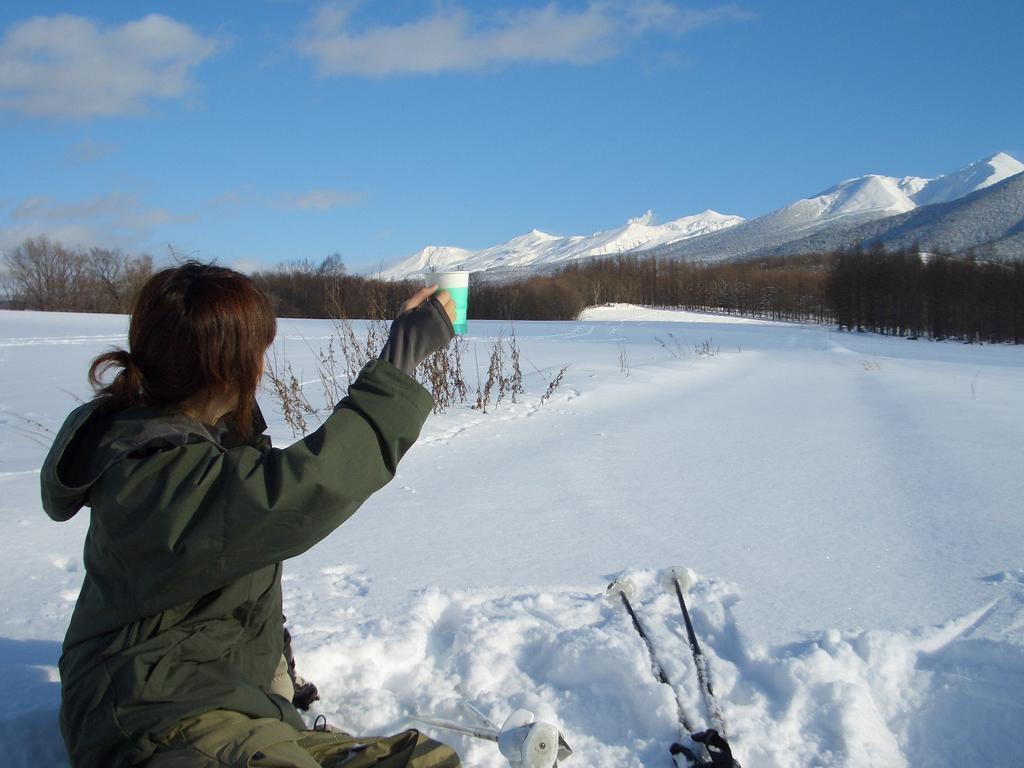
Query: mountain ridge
{"type": "Point", "coordinates": [980, 221]}
{"type": "Point", "coordinates": [873, 207]}
{"type": "Point", "coordinates": [537, 249]}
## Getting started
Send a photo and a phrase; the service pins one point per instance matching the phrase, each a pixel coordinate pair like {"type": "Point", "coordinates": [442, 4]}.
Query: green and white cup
{"type": "Point", "coordinates": [457, 285]}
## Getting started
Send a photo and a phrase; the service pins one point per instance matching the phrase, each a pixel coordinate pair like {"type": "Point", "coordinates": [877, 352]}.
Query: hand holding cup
{"type": "Point", "coordinates": [424, 294]}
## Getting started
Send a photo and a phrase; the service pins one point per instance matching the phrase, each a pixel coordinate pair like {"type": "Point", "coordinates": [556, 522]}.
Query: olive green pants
{"type": "Point", "coordinates": [222, 739]}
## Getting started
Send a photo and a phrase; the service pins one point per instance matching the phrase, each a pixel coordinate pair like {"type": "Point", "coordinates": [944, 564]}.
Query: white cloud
{"type": "Point", "coordinates": [233, 199]}
{"type": "Point", "coordinates": [323, 199]}
{"type": "Point", "coordinates": [47, 209]}
{"type": "Point", "coordinates": [115, 220]}
{"type": "Point", "coordinates": [666, 17]}
{"type": "Point", "coordinates": [89, 151]}
{"type": "Point", "coordinates": [68, 66]}
{"type": "Point", "coordinates": [452, 40]}
{"type": "Point", "coordinates": [124, 219]}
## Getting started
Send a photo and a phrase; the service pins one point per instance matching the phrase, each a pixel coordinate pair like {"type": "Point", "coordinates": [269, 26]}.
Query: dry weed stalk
{"type": "Point", "coordinates": [504, 377]}
{"type": "Point", "coordinates": [441, 373]}
{"type": "Point", "coordinates": [329, 374]}
{"type": "Point", "coordinates": [295, 406]}
{"type": "Point", "coordinates": [495, 370]}
{"type": "Point", "coordinates": [483, 395]}
{"type": "Point", "coordinates": [706, 348]}
{"type": "Point", "coordinates": [32, 430]}
{"type": "Point", "coordinates": [346, 352]}
{"type": "Point", "coordinates": [677, 350]}
{"type": "Point", "coordinates": [354, 352]}
{"type": "Point", "coordinates": [553, 385]}
{"type": "Point", "coordinates": [516, 380]}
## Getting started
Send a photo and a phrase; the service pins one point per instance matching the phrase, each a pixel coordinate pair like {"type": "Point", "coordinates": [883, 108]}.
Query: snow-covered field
{"type": "Point", "coordinates": [850, 504]}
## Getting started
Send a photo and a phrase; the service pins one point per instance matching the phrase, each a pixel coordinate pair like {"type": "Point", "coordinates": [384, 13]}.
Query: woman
{"type": "Point", "coordinates": [177, 636]}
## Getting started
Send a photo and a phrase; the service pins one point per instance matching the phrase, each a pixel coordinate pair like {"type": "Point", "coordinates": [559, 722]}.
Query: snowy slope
{"type": "Point", "coordinates": [848, 203]}
{"type": "Point", "coordinates": [988, 222]}
{"type": "Point", "coordinates": [871, 195]}
{"type": "Point", "coordinates": [539, 249]}
{"type": "Point", "coordinates": [851, 203]}
{"type": "Point", "coordinates": [874, 196]}
{"type": "Point", "coordinates": [711, 236]}
{"type": "Point", "coordinates": [971, 178]}
{"type": "Point", "coordinates": [433, 258]}
{"type": "Point", "coordinates": [850, 504]}
{"type": "Point", "coordinates": [862, 199]}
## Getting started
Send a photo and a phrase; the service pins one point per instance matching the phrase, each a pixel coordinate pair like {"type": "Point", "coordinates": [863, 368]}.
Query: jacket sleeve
{"type": "Point", "coordinates": [222, 514]}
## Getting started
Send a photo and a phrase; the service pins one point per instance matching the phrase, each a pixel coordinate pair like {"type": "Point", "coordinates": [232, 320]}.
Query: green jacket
{"type": "Point", "coordinates": [180, 610]}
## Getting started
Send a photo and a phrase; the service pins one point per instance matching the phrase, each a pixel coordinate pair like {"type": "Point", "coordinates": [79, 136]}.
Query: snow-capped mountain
{"type": "Point", "coordinates": [874, 194]}
{"type": "Point", "coordinates": [851, 202]}
{"type": "Point", "coordinates": [711, 236]}
{"type": "Point", "coordinates": [869, 196]}
{"type": "Point", "coordinates": [538, 249]}
{"type": "Point", "coordinates": [971, 178]}
{"type": "Point", "coordinates": [988, 222]}
{"type": "Point", "coordinates": [846, 205]}
{"type": "Point", "coordinates": [431, 258]}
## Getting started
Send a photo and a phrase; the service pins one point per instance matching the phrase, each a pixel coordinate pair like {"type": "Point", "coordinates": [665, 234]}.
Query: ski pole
{"type": "Point", "coordinates": [680, 580]}
{"type": "Point", "coordinates": [523, 741]}
{"type": "Point", "coordinates": [623, 587]}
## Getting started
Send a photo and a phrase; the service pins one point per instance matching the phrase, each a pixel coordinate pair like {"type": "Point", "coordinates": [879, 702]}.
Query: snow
{"type": "Point", "coordinates": [633, 313]}
{"type": "Point", "coordinates": [849, 503]}
{"type": "Point", "coordinates": [875, 196]}
{"type": "Point", "coordinates": [872, 194]}
{"type": "Point", "coordinates": [853, 201]}
{"type": "Point", "coordinates": [539, 249]}
{"type": "Point", "coordinates": [431, 258]}
{"type": "Point", "coordinates": [968, 179]}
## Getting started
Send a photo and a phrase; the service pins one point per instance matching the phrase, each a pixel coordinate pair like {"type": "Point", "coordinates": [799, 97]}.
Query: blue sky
{"type": "Point", "coordinates": [269, 131]}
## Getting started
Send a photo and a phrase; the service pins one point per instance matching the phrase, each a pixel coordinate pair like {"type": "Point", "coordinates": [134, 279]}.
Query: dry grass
{"type": "Point", "coordinates": [553, 385]}
{"type": "Point", "coordinates": [28, 428]}
{"type": "Point", "coordinates": [706, 348]}
{"type": "Point", "coordinates": [674, 347]}
{"type": "Point", "coordinates": [288, 391]}
{"type": "Point", "coordinates": [442, 374]}
{"type": "Point", "coordinates": [504, 374]}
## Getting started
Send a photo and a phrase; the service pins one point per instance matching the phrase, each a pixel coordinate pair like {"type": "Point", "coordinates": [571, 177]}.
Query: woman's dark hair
{"type": "Point", "coordinates": [194, 328]}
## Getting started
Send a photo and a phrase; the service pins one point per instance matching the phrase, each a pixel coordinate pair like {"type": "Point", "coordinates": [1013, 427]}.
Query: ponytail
{"type": "Point", "coordinates": [127, 387]}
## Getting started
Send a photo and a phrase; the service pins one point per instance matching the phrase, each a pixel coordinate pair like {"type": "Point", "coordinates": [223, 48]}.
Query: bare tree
{"type": "Point", "coordinates": [45, 274]}
{"type": "Point", "coordinates": [114, 278]}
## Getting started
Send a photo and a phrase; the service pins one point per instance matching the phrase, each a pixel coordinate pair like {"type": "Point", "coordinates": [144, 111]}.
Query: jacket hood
{"type": "Point", "coordinates": [94, 438]}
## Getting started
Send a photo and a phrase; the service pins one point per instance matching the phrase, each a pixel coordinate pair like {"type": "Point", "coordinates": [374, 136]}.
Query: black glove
{"type": "Point", "coordinates": [305, 692]}
{"type": "Point", "coordinates": [416, 334]}
{"type": "Point", "coordinates": [717, 747]}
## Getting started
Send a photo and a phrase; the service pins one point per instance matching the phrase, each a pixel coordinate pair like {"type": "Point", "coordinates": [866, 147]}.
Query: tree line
{"type": "Point", "coordinates": [907, 294]}
{"type": "Point", "coordinates": [43, 274]}
{"type": "Point", "coordinates": [326, 289]}
{"type": "Point", "coordinates": [780, 288]}
{"type": "Point", "coordinates": [902, 293]}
